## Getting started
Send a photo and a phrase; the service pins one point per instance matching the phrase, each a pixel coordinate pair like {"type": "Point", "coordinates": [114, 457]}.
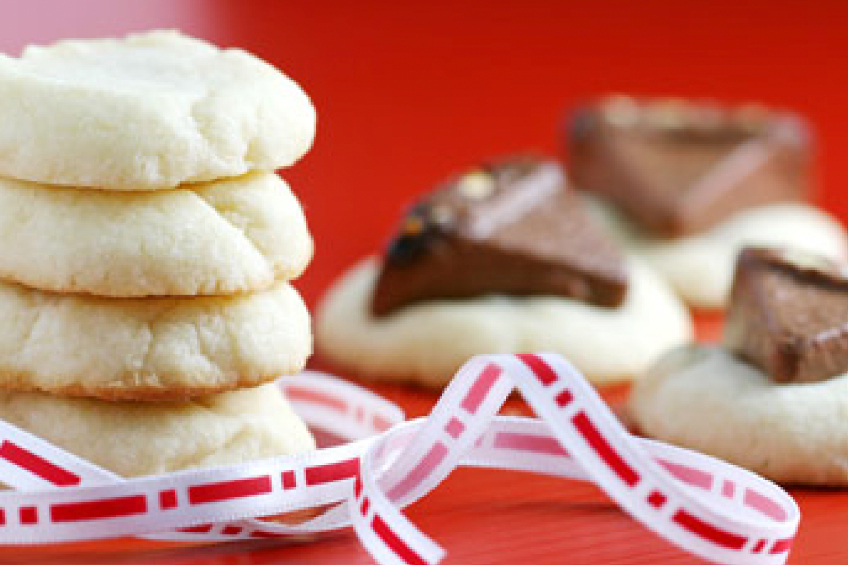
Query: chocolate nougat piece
{"type": "Point", "coordinates": [512, 227]}
{"type": "Point", "coordinates": [788, 314]}
{"type": "Point", "coordinates": [677, 168]}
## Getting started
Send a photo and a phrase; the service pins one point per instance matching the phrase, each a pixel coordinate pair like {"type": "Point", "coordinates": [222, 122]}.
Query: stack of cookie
{"type": "Point", "coordinates": [146, 250]}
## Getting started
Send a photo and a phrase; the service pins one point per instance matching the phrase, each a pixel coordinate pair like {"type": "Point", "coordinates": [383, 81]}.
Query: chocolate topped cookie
{"type": "Point", "coordinates": [789, 314]}
{"type": "Point", "coordinates": [511, 227]}
{"type": "Point", "coordinates": [678, 168]}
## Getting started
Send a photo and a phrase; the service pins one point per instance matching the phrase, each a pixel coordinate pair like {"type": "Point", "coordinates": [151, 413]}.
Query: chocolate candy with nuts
{"type": "Point", "coordinates": [511, 227]}
{"type": "Point", "coordinates": [677, 167]}
{"type": "Point", "coordinates": [789, 314]}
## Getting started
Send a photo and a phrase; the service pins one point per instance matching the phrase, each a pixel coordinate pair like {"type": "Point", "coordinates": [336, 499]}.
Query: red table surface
{"type": "Point", "coordinates": [408, 92]}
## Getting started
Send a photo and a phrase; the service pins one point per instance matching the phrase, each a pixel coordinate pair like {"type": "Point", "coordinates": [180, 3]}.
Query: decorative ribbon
{"type": "Point", "coordinates": [710, 508]}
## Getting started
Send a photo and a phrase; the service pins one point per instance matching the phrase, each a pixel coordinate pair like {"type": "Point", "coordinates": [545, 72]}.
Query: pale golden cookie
{"type": "Point", "coordinates": [149, 348]}
{"type": "Point", "coordinates": [152, 110]}
{"type": "Point", "coordinates": [220, 237]}
{"type": "Point", "coordinates": [707, 399]}
{"type": "Point", "coordinates": [144, 438]}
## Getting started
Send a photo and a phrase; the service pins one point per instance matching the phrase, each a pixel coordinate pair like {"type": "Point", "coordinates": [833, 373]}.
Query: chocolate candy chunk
{"type": "Point", "coordinates": [507, 228]}
{"type": "Point", "coordinates": [789, 314]}
{"type": "Point", "coordinates": [677, 168]}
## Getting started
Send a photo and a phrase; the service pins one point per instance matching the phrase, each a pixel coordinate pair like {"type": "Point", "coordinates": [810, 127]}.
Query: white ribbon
{"type": "Point", "coordinates": [710, 508]}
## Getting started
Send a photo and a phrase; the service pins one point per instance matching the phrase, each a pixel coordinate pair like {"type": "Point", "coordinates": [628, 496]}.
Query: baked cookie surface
{"type": "Point", "coordinates": [152, 110]}
{"type": "Point", "coordinates": [707, 399]}
{"type": "Point", "coordinates": [221, 237]}
{"type": "Point", "coordinates": [699, 267]}
{"type": "Point", "coordinates": [149, 348]}
{"type": "Point", "coordinates": [427, 342]}
{"type": "Point", "coordinates": [157, 437]}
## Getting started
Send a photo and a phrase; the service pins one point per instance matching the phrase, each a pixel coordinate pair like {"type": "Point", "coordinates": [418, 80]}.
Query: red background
{"type": "Point", "coordinates": [410, 92]}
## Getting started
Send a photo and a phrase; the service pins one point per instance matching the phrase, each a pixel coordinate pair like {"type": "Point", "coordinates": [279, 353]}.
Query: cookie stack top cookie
{"type": "Point", "coordinates": [151, 111]}
{"type": "Point", "coordinates": [150, 240]}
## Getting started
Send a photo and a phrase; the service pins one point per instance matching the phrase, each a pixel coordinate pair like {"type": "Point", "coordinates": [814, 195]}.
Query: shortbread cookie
{"type": "Point", "coordinates": [152, 110]}
{"type": "Point", "coordinates": [427, 342]}
{"type": "Point", "coordinates": [157, 437]}
{"type": "Point", "coordinates": [149, 348]}
{"type": "Point", "coordinates": [700, 266]}
{"type": "Point", "coordinates": [706, 399]}
{"type": "Point", "coordinates": [220, 237]}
